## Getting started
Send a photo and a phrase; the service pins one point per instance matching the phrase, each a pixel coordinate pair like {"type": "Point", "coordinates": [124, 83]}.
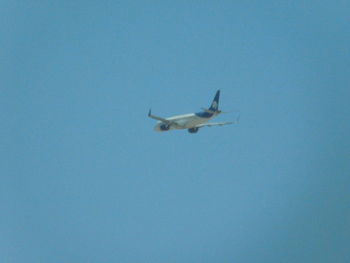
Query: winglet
{"type": "Point", "coordinates": [238, 117]}
{"type": "Point", "coordinates": [149, 113]}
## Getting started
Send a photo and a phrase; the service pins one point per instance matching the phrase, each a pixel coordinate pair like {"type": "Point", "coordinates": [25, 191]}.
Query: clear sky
{"type": "Point", "coordinates": [84, 178]}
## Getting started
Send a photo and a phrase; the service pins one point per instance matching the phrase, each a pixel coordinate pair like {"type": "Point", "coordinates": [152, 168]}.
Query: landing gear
{"type": "Point", "coordinates": [193, 130]}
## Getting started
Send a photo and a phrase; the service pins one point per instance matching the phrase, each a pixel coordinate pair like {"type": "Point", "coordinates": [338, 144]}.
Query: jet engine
{"type": "Point", "coordinates": [164, 127]}
{"type": "Point", "coordinates": [193, 130]}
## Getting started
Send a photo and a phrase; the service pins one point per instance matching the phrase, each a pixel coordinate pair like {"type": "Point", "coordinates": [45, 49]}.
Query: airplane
{"type": "Point", "coordinates": [192, 121]}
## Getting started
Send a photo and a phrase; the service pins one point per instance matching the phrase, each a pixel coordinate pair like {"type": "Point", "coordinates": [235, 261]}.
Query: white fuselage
{"type": "Point", "coordinates": [185, 121]}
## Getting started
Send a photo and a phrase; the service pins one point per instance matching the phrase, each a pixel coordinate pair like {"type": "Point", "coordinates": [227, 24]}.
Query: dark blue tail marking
{"type": "Point", "coordinates": [215, 104]}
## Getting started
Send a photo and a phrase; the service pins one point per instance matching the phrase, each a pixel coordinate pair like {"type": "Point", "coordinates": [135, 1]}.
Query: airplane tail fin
{"type": "Point", "coordinates": [215, 104]}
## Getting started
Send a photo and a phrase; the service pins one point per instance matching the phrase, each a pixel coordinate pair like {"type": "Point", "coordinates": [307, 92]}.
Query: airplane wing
{"type": "Point", "coordinates": [210, 124]}
{"type": "Point", "coordinates": [158, 118]}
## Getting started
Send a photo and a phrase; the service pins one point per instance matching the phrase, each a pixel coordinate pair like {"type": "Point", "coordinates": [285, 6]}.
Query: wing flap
{"type": "Point", "coordinates": [210, 124]}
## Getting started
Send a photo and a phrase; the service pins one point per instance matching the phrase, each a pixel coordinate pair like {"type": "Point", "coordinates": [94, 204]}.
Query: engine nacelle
{"type": "Point", "coordinates": [193, 130]}
{"type": "Point", "coordinates": [164, 127]}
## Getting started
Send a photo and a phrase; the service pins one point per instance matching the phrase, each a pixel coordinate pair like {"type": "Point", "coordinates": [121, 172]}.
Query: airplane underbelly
{"type": "Point", "coordinates": [185, 123]}
{"type": "Point", "coordinates": [194, 122]}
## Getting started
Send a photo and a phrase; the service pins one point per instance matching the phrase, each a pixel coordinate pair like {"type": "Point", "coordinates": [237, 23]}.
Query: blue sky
{"type": "Point", "coordinates": [86, 179]}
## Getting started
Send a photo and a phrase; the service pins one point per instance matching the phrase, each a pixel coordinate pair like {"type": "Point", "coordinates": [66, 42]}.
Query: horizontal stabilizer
{"type": "Point", "coordinates": [207, 110]}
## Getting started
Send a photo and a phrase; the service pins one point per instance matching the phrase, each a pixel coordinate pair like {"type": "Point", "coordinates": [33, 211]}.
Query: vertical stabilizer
{"type": "Point", "coordinates": [215, 104]}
